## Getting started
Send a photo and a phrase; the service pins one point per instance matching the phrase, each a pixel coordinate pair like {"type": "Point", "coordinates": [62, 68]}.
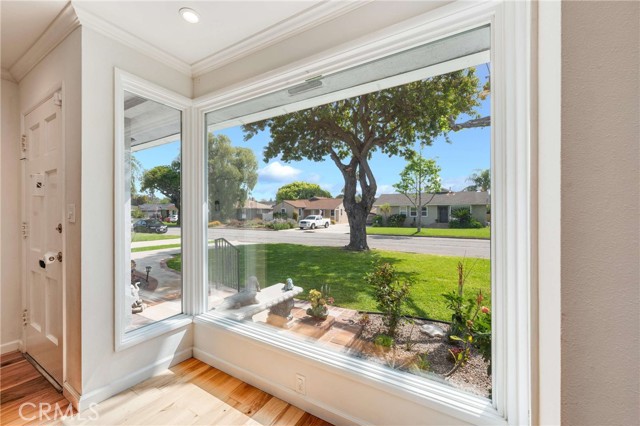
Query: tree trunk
{"type": "Point", "coordinates": [357, 216]}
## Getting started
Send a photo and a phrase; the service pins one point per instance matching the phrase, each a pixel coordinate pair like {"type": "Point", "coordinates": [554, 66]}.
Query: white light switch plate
{"type": "Point", "coordinates": [71, 213]}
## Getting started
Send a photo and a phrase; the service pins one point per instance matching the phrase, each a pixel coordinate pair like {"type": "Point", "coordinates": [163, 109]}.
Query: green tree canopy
{"type": "Point", "coordinates": [300, 191]}
{"type": "Point", "coordinates": [233, 173]}
{"type": "Point", "coordinates": [165, 180]}
{"type": "Point", "coordinates": [349, 131]}
{"type": "Point", "coordinates": [418, 177]}
{"type": "Point", "coordinates": [481, 181]}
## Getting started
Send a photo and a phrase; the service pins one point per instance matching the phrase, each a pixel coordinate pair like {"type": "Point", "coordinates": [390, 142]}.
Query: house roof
{"type": "Point", "coordinates": [253, 204]}
{"type": "Point", "coordinates": [462, 198]}
{"type": "Point", "coordinates": [315, 203]}
{"type": "Point", "coordinates": [155, 207]}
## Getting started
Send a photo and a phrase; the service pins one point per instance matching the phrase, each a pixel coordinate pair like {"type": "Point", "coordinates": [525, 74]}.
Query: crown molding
{"type": "Point", "coordinates": [105, 28]}
{"type": "Point", "coordinates": [58, 30]}
{"type": "Point", "coordinates": [296, 24]}
{"type": "Point", "coordinates": [6, 75]}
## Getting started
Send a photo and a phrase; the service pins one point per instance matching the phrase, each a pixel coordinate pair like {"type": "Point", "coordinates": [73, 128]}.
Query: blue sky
{"type": "Point", "coordinates": [469, 151]}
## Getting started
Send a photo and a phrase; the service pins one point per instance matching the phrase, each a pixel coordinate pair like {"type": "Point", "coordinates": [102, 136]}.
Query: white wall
{"type": "Point", "coordinates": [600, 213]}
{"type": "Point", "coordinates": [10, 297]}
{"type": "Point", "coordinates": [61, 68]}
{"type": "Point", "coordinates": [104, 371]}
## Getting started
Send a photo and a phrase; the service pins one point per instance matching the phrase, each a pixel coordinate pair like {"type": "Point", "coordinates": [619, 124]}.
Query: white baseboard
{"type": "Point", "coordinates": [16, 345]}
{"type": "Point", "coordinates": [310, 405]}
{"type": "Point", "coordinates": [71, 394]}
{"type": "Point", "coordinates": [131, 379]}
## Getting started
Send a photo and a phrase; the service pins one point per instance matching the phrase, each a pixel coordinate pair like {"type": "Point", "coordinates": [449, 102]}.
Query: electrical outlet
{"type": "Point", "coordinates": [301, 384]}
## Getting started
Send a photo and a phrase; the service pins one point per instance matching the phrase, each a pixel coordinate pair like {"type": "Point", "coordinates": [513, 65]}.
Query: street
{"type": "Point", "coordinates": [338, 236]}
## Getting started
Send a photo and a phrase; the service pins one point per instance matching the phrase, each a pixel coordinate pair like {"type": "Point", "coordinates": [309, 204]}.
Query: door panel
{"type": "Point", "coordinates": [43, 206]}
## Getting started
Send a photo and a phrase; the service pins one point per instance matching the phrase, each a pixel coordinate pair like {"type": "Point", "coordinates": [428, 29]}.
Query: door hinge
{"type": "Point", "coordinates": [25, 318]}
{"type": "Point", "coordinates": [23, 147]}
{"type": "Point", "coordinates": [25, 229]}
{"type": "Point", "coordinates": [57, 98]}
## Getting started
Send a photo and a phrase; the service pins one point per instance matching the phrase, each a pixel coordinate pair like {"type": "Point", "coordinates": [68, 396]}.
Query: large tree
{"type": "Point", "coordinates": [300, 191]}
{"type": "Point", "coordinates": [419, 182]}
{"type": "Point", "coordinates": [481, 181]}
{"type": "Point", "coordinates": [351, 130]}
{"type": "Point", "coordinates": [233, 172]}
{"type": "Point", "coordinates": [165, 180]}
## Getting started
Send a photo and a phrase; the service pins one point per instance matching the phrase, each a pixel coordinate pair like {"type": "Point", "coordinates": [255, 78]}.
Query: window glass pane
{"type": "Point", "coordinates": [288, 268]}
{"type": "Point", "coordinates": [153, 138]}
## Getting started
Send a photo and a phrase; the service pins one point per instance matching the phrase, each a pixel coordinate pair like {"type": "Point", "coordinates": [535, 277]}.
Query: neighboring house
{"type": "Point", "coordinates": [253, 209]}
{"type": "Point", "coordinates": [158, 211]}
{"type": "Point", "coordinates": [437, 207]}
{"type": "Point", "coordinates": [331, 208]}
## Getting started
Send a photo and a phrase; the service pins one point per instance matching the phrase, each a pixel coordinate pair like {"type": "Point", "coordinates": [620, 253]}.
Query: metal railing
{"type": "Point", "coordinates": [225, 268]}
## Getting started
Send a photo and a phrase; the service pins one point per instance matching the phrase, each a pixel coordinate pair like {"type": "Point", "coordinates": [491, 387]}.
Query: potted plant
{"type": "Point", "coordinates": [320, 301]}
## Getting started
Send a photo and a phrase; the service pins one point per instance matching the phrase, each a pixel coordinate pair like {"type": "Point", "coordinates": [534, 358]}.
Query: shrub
{"type": "Point", "coordinates": [396, 220]}
{"type": "Point", "coordinates": [383, 340]}
{"type": "Point", "coordinates": [461, 218]}
{"type": "Point", "coordinates": [294, 216]}
{"type": "Point", "coordinates": [280, 224]}
{"type": "Point", "coordinates": [280, 215]}
{"type": "Point", "coordinates": [390, 293]}
{"type": "Point", "coordinates": [214, 223]}
{"type": "Point", "coordinates": [136, 213]}
{"type": "Point", "coordinates": [378, 221]}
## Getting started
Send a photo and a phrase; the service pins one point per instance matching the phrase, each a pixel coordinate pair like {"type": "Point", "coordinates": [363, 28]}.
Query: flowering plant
{"type": "Point", "coordinates": [320, 301]}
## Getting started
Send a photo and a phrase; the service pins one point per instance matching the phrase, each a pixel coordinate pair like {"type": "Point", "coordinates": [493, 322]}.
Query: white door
{"type": "Point", "coordinates": [43, 214]}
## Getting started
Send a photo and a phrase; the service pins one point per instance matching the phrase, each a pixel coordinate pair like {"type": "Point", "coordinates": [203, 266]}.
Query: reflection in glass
{"type": "Point", "coordinates": [153, 147]}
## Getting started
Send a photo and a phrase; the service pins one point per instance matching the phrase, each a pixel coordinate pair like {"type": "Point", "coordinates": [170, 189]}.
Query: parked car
{"type": "Point", "coordinates": [313, 222]}
{"type": "Point", "coordinates": [150, 226]}
{"type": "Point", "coordinates": [172, 218]}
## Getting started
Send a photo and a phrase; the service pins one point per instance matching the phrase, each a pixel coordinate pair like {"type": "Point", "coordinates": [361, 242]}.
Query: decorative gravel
{"type": "Point", "coordinates": [411, 342]}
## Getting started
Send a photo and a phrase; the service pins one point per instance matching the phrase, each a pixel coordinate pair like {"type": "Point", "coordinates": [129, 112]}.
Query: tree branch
{"type": "Point", "coordinates": [476, 122]}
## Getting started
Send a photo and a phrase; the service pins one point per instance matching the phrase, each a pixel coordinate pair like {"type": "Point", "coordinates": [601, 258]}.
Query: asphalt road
{"type": "Point", "coordinates": [338, 236]}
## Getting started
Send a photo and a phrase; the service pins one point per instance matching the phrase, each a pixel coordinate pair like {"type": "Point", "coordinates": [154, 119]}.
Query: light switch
{"type": "Point", "coordinates": [71, 213]}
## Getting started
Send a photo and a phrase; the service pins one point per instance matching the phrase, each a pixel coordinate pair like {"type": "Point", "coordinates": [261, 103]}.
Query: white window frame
{"type": "Point", "coordinates": [122, 218]}
{"type": "Point", "coordinates": [413, 211]}
{"type": "Point", "coordinates": [425, 210]}
{"type": "Point", "coordinates": [512, 200]}
{"type": "Point", "coordinates": [402, 210]}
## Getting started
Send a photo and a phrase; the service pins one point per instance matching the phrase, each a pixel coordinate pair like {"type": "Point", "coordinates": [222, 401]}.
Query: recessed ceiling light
{"type": "Point", "coordinates": [189, 15]}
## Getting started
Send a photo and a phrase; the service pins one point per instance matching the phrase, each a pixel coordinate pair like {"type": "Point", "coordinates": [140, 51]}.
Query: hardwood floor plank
{"type": "Point", "coordinates": [190, 393]}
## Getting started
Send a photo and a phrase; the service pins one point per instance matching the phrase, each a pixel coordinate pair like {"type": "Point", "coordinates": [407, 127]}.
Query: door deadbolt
{"type": "Point", "coordinates": [59, 228]}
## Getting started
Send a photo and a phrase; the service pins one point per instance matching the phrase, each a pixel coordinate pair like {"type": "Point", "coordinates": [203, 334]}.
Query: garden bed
{"type": "Point", "coordinates": [411, 344]}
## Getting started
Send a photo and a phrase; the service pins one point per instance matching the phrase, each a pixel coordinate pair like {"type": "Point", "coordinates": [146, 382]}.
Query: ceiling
{"type": "Point", "coordinates": [227, 29]}
{"type": "Point", "coordinates": [22, 23]}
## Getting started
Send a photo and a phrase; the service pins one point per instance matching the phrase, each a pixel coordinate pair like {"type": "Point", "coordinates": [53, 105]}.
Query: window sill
{"type": "Point", "coordinates": [428, 393]}
{"type": "Point", "coordinates": [151, 331]}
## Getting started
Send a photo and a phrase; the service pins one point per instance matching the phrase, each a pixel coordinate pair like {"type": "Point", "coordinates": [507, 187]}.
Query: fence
{"type": "Point", "coordinates": [225, 268]}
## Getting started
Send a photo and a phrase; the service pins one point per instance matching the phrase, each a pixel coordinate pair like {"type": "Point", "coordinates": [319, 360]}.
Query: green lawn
{"type": "Point", "coordinates": [158, 247]}
{"type": "Point", "coordinates": [343, 271]}
{"type": "Point", "coordinates": [141, 236]}
{"type": "Point", "coordinates": [480, 233]}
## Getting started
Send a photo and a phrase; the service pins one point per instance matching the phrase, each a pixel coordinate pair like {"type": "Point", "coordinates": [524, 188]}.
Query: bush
{"type": "Point", "coordinates": [390, 293]}
{"type": "Point", "coordinates": [461, 218]}
{"type": "Point", "coordinates": [294, 216]}
{"type": "Point", "coordinates": [214, 223]}
{"type": "Point", "coordinates": [378, 221]}
{"type": "Point", "coordinates": [280, 224]}
{"type": "Point", "coordinates": [396, 220]}
{"type": "Point", "coordinates": [280, 215]}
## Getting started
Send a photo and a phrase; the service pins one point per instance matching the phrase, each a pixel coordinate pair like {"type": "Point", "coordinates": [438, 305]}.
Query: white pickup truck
{"type": "Point", "coordinates": [313, 222]}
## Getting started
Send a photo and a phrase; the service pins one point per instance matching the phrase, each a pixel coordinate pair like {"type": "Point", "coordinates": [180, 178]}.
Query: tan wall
{"type": "Point", "coordinates": [600, 254]}
{"type": "Point", "coordinates": [10, 277]}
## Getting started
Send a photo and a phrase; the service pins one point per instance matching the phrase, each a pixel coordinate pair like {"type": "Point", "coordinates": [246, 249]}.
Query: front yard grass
{"type": "Point", "coordinates": [479, 233]}
{"type": "Point", "coordinates": [343, 271]}
{"type": "Point", "coordinates": [142, 236]}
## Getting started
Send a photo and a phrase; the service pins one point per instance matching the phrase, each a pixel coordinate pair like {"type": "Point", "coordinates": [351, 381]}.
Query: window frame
{"type": "Point", "coordinates": [413, 211]}
{"type": "Point", "coordinates": [425, 210]}
{"type": "Point", "coordinates": [122, 250]}
{"type": "Point", "coordinates": [512, 199]}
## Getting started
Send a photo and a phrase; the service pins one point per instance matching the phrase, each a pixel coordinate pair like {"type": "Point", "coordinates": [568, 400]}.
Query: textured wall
{"type": "Point", "coordinates": [600, 216]}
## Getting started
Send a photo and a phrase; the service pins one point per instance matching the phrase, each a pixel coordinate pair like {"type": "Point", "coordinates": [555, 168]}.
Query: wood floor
{"type": "Point", "coordinates": [190, 393]}
{"type": "Point", "coordinates": [25, 394]}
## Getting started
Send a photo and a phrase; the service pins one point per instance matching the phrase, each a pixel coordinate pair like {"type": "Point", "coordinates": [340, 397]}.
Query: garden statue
{"type": "Point", "coordinates": [288, 286]}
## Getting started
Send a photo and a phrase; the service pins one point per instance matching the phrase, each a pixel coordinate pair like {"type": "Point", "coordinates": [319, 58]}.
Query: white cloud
{"type": "Point", "coordinates": [385, 189]}
{"type": "Point", "coordinates": [277, 172]}
{"type": "Point", "coordinates": [313, 178]}
{"type": "Point", "coordinates": [455, 183]}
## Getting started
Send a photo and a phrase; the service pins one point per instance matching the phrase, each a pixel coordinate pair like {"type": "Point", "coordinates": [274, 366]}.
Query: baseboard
{"type": "Point", "coordinates": [132, 379]}
{"type": "Point", "coordinates": [71, 394]}
{"type": "Point", "coordinates": [310, 405]}
{"type": "Point", "coordinates": [16, 345]}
